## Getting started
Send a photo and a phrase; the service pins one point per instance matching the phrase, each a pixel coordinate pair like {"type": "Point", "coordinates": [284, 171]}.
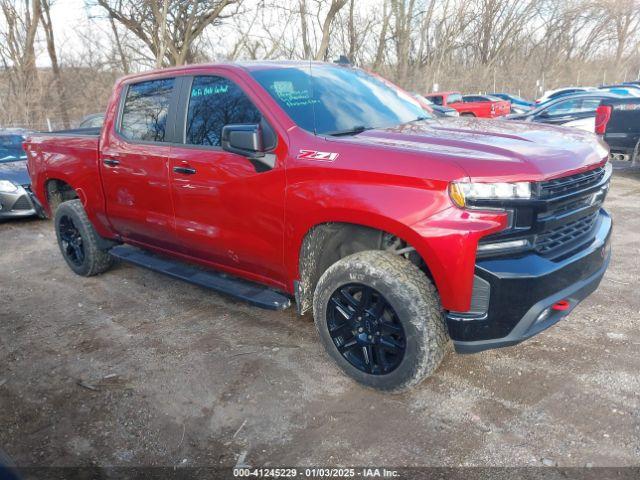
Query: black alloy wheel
{"type": "Point", "coordinates": [71, 240]}
{"type": "Point", "coordinates": [365, 329]}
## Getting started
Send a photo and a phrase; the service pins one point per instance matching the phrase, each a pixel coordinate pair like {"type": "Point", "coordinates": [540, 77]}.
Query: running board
{"type": "Point", "coordinates": [250, 292]}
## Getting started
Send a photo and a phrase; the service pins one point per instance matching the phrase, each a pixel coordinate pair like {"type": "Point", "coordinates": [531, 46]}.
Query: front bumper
{"type": "Point", "coordinates": [523, 291]}
{"type": "Point", "coordinates": [18, 204]}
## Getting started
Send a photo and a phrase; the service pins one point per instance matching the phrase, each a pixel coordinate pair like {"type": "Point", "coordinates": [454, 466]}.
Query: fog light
{"type": "Point", "coordinates": [500, 246]}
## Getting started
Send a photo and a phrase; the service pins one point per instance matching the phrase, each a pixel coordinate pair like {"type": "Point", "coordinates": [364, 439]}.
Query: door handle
{"type": "Point", "coordinates": [111, 162]}
{"type": "Point", "coordinates": [184, 170]}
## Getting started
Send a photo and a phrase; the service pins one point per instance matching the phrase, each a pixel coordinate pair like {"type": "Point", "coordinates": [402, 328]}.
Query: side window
{"type": "Point", "coordinates": [437, 99]}
{"type": "Point", "coordinates": [590, 104]}
{"type": "Point", "coordinates": [214, 103]}
{"type": "Point", "coordinates": [561, 108]}
{"type": "Point", "coordinates": [144, 116]}
{"type": "Point", "coordinates": [454, 98]}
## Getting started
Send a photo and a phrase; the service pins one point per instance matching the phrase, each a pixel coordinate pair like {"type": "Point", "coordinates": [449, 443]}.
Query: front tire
{"type": "Point", "coordinates": [379, 317]}
{"type": "Point", "coordinates": [78, 241]}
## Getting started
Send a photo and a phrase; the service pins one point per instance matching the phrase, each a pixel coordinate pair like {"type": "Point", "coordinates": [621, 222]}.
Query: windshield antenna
{"type": "Point", "coordinates": [313, 102]}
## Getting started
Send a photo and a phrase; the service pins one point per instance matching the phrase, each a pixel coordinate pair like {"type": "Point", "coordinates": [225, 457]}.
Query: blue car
{"type": "Point", "coordinates": [16, 198]}
{"type": "Point", "coordinates": [518, 104]}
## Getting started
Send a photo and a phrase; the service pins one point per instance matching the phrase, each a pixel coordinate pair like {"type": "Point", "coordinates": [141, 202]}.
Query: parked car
{"type": "Point", "coordinates": [399, 233]}
{"type": "Point", "coordinates": [635, 82]}
{"type": "Point", "coordinates": [578, 111]}
{"type": "Point", "coordinates": [561, 92]}
{"type": "Point", "coordinates": [618, 120]}
{"type": "Point", "coordinates": [16, 199]}
{"type": "Point", "coordinates": [625, 90]}
{"type": "Point", "coordinates": [518, 104]}
{"type": "Point", "coordinates": [437, 110]}
{"type": "Point", "coordinates": [471, 105]}
{"type": "Point", "coordinates": [92, 121]}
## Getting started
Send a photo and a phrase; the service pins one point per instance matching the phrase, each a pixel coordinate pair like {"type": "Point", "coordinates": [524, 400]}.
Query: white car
{"type": "Point", "coordinates": [560, 92]}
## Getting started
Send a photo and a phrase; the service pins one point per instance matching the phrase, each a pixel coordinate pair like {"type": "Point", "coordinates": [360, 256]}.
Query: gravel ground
{"type": "Point", "coordinates": [134, 368]}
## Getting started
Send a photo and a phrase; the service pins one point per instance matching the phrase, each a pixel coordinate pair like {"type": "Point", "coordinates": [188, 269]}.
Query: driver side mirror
{"type": "Point", "coordinates": [243, 139]}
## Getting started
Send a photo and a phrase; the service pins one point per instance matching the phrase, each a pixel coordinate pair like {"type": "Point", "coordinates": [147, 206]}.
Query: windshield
{"type": "Point", "coordinates": [327, 99]}
{"type": "Point", "coordinates": [11, 148]}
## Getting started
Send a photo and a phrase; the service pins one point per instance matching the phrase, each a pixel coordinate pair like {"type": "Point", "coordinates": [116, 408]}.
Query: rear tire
{"type": "Point", "coordinates": [392, 351]}
{"type": "Point", "coordinates": [78, 240]}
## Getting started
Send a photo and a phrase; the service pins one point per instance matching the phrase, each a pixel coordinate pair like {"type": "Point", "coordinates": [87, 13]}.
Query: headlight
{"type": "Point", "coordinates": [461, 192]}
{"type": "Point", "coordinates": [7, 187]}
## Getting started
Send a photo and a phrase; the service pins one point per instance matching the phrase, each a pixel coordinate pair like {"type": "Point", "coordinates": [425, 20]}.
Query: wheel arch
{"type": "Point", "coordinates": [57, 191]}
{"type": "Point", "coordinates": [326, 242]}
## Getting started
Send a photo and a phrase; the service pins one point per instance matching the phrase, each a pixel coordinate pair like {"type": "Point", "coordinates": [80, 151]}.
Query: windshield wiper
{"type": "Point", "coordinates": [351, 131]}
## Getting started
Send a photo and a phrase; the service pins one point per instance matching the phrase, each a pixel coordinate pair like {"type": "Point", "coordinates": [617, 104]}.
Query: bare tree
{"type": "Point", "coordinates": [171, 28]}
{"type": "Point", "coordinates": [45, 6]}
{"type": "Point", "coordinates": [326, 13]}
{"type": "Point", "coordinates": [17, 52]}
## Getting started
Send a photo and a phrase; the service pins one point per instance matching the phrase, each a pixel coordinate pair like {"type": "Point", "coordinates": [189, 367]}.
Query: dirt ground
{"type": "Point", "coordinates": [134, 368]}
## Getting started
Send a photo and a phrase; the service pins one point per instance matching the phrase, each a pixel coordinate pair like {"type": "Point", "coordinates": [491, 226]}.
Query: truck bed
{"type": "Point", "coordinates": [623, 128]}
{"type": "Point", "coordinates": [62, 156]}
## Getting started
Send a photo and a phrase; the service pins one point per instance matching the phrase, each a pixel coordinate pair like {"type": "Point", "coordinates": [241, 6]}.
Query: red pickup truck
{"type": "Point", "coordinates": [321, 183]}
{"type": "Point", "coordinates": [483, 106]}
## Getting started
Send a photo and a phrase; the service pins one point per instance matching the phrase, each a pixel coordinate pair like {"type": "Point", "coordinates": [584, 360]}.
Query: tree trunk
{"type": "Point", "coordinates": [323, 50]}
{"type": "Point", "coordinates": [53, 56]}
{"type": "Point", "coordinates": [382, 39]}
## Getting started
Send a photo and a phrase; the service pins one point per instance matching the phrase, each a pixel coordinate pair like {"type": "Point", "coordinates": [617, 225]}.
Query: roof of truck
{"type": "Point", "coordinates": [245, 65]}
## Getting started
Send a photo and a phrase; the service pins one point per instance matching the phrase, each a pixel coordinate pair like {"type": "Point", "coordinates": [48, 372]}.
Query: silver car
{"type": "Point", "coordinates": [16, 198]}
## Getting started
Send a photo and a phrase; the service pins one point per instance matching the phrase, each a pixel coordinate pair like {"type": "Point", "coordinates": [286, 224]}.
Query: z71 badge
{"type": "Point", "coordinates": [315, 155]}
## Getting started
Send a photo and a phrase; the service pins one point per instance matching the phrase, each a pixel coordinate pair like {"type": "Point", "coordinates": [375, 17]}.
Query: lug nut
{"type": "Point", "coordinates": [361, 329]}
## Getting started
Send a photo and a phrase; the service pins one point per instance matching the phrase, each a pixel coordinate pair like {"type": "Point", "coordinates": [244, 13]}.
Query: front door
{"type": "Point", "coordinates": [134, 162]}
{"type": "Point", "coordinates": [229, 210]}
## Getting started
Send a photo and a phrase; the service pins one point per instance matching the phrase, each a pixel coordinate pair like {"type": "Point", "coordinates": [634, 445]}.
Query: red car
{"type": "Point", "coordinates": [326, 185]}
{"type": "Point", "coordinates": [484, 106]}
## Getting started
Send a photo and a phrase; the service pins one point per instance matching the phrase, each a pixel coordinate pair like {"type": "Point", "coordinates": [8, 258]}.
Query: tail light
{"type": "Point", "coordinates": [603, 114]}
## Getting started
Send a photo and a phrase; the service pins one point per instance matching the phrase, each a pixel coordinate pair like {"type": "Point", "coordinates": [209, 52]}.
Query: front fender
{"type": "Point", "coordinates": [420, 213]}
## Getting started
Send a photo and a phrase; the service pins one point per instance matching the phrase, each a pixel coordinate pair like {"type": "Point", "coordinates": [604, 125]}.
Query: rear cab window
{"type": "Point", "coordinates": [145, 110]}
{"type": "Point", "coordinates": [454, 98]}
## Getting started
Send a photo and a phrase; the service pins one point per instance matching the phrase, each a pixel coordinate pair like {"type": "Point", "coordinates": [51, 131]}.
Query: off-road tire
{"type": "Point", "coordinates": [417, 306]}
{"type": "Point", "coordinates": [96, 260]}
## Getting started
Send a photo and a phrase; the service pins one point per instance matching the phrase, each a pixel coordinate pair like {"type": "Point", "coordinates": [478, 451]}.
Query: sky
{"type": "Point", "coordinates": [67, 17]}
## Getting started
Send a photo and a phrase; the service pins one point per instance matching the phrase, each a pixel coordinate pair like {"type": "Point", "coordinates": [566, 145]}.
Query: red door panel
{"type": "Point", "coordinates": [134, 166]}
{"type": "Point", "coordinates": [227, 212]}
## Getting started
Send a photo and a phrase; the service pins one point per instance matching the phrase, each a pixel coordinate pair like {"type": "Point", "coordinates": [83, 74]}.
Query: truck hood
{"type": "Point", "coordinates": [501, 150]}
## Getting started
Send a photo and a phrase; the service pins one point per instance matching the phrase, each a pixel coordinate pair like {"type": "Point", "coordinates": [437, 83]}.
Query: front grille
{"type": "Point", "coordinates": [561, 218]}
{"type": "Point", "coordinates": [573, 183]}
{"type": "Point", "coordinates": [23, 203]}
{"type": "Point", "coordinates": [569, 234]}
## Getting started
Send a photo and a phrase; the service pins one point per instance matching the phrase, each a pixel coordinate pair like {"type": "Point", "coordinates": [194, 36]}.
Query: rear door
{"type": "Point", "coordinates": [134, 162]}
{"type": "Point", "coordinates": [229, 210]}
